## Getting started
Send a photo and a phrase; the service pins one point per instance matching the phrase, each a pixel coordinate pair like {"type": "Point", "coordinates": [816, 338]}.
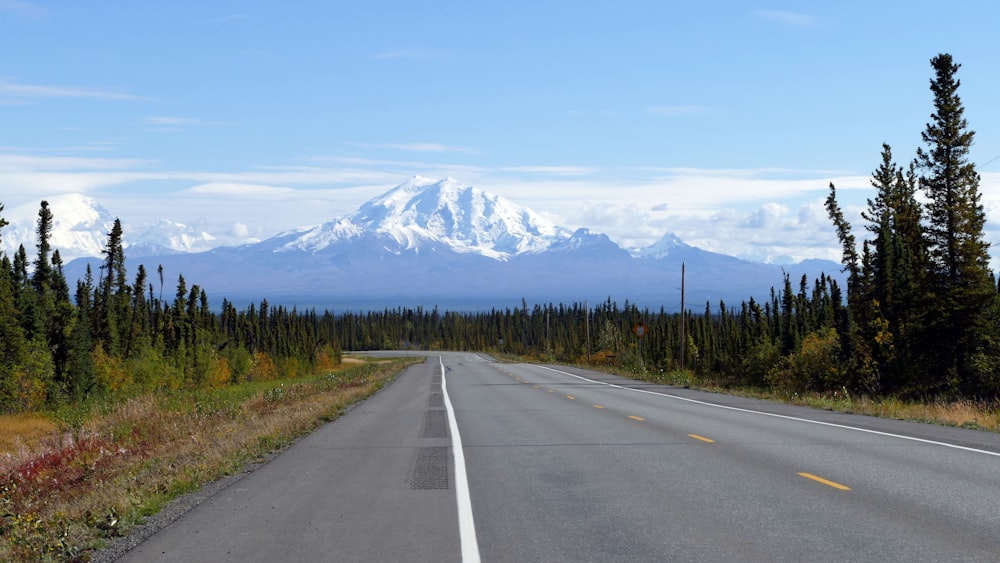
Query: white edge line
{"type": "Point", "coordinates": [466, 523]}
{"type": "Point", "coordinates": [786, 417]}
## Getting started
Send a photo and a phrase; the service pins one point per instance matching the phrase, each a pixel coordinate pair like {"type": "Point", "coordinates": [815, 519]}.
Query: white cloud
{"type": "Point", "coordinates": [767, 216]}
{"type": "Point", "coordinates": [756, 214]}
{"type": "Point", "coordinates": [32, 91]}
{"type": "Point", "coordinates": [255, 191]}
{"type": "Point", "coordinates": [790, 19]}
{"type": "Point", "coordinates": [553, 170]}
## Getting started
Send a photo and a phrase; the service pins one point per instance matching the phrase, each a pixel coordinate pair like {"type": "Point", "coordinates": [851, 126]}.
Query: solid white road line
{"type": "Point", "coordinates": [786, 417]}
{"type": "Point", "coordinates": [466, 523]}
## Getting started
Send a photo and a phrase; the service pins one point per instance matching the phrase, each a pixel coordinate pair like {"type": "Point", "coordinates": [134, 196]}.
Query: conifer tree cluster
{"type": "Point", "coordinates": [922, 299]}
{"type": "Point", "coordinates": [114, 338]}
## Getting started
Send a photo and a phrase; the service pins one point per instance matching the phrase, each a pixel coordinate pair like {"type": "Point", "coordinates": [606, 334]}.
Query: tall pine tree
{"type": "Point", "coordinates": [957, 325]}
{"type": "Point", "coordinates": [895, 272]}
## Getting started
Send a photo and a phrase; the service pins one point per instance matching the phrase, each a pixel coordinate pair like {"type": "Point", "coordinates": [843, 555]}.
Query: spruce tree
{"type": "Point", "coordinates": [894, 271]}
{"type": "Point", "coordinates": [80, 378]}
{"type": "Point", "coordinates": [957, 327]}
{"type": "Point", "coordinates": [42, 276]}
{"type": "Point", "coordinates": [111, 299]}
{"type": "Point", "coordinates": [13, 346]}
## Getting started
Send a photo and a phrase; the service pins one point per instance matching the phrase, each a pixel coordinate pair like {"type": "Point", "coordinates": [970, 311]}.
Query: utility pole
{"type": "Point", "coordinates": [681, 356]}
{"type": "Point", "coordinates": [548, 337]}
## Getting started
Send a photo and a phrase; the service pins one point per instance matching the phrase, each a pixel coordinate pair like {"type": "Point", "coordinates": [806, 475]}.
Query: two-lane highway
{"type": "Point", "coordinates": [568, 468]}
{"type": "Point", "coordinates": [465, 458]}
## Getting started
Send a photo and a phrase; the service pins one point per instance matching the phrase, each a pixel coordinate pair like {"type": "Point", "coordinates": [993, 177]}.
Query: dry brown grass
{"type": "Point", "coordinates": [962, 413]}
{"type": "Point", "coordinates": [126, 462]}
{"type": "Point", "coordinates": [20, 432]}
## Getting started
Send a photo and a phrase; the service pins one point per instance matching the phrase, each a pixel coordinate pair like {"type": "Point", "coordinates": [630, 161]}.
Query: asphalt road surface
{"type": "Point", "coordinates": [463, 459]}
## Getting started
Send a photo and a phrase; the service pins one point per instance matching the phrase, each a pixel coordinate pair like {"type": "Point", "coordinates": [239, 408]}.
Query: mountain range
{"type": "Point", "coordinates": [80, 227]}
{"type": "Point", "coordinates": [432, 243]}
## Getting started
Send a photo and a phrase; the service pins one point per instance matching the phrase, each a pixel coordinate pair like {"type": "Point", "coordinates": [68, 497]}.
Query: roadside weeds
{"type": "Point", "coordinates": [95, 481]}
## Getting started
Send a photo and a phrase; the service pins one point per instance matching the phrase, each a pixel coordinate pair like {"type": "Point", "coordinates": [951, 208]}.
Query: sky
{"type": "Point", "coordinates": [723, 122]}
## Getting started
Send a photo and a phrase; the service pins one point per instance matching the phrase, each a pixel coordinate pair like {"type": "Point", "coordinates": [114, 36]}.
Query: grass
{"type": "Point", "coordinates": [979, 415]}
{"type": "Point", "coordinates": [22, 431]}
{"type": "Point", "coordinates": [960, 413]}
{"type": "Point", "coordinates": [69, 487]}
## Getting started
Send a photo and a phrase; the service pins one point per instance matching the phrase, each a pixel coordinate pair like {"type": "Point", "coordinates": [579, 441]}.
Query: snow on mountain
{"type": "Point", "coordinates": [80, 227]}
{"type": "Point", "coordinates": [167, 237]}
{"type": "Point", "coordinates": [422, 212]}
{"type": "Point", "coordinates": [439, 242]}
{"type": "Point", "coordinates": [667, 245]}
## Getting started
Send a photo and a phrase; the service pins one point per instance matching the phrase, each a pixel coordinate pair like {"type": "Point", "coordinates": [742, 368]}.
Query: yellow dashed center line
{"type": "Point", "coordinates": [534, 387]}
{"type": "Point", "coordinates": [702, 438]}
{"type": "Point", "coordinates": [552, 390]}
{"type": "Point", "coordinates": [640, 419]}
{"type": "Point", "coordinates": [825, 482]}
{"type": "Point", "coordinates": [571, 397]}
{"type": "Point", "coordinates": [597, 406]}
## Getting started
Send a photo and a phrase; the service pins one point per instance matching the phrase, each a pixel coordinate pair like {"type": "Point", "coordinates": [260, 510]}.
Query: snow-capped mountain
{"type": "Point", "coordinates": [440, 243]}
{"type": "Point", "coordinates": [423, 212]}
{"type": "Point", "coordinates": [667, 245]}
{"type": "Point", "coordinates": [80, 227]}
{"type": "Point", "coordinates": [167, 237]}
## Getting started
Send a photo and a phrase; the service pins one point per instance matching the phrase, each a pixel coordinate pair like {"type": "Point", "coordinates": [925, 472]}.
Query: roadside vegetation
{"type": "Point", "coordinates": [83, 475]}
{"type": "Point", "coordinates": [977, 414]}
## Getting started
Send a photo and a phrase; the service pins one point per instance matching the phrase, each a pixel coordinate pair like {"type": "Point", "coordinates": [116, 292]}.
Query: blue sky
{"type": "Point", "coordinates": [723, 122]}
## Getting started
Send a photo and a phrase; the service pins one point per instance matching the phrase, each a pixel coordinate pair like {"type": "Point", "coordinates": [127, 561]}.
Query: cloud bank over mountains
{"type": "Point", "coordinates": [441, 243]}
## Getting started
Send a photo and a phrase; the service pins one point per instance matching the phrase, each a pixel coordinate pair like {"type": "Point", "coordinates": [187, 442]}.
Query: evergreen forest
{"type": "Point", "coordinates": [918, 317]}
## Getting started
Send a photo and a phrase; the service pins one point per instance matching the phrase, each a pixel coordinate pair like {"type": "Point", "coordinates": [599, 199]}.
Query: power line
{"type": "Point", "coordinates": [990, 161]}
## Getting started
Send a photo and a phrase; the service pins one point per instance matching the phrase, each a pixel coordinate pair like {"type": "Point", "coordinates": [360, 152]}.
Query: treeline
{"type": "Point", "coordinates": [116, 336]}
{"type": "Point", "coordinates": [791, 340]}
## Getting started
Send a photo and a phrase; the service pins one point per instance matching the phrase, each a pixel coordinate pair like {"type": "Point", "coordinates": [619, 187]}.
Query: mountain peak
{"type": "Point", "coordinates": [667, 245]}
{"type": "Point", "coordinates": [426, 212]}
{"type": "Point", "coordinates": [79, 226]}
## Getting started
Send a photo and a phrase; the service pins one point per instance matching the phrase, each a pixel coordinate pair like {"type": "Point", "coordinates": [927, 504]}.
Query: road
{"type": "Point", "coordinates": [463, 458]}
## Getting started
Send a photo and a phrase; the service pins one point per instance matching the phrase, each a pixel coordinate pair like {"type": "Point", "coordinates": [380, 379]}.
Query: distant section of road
{"type": "Point", "coordinates": [565, 464]}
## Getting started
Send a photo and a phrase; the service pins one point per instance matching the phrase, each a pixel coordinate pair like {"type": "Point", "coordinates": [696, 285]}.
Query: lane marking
{"type": "Point", "coordinates": [552, 390]}
{"type": "Point", "coordinates": [534, 387]}
{"type": "Point", "coordinates": [466, 523]}
{"type": "Point", "coordinates": [571, 397]}
{"type": "Point", "coordinates": [702, 438]}
{"type": "Point", "coordinates": [782, 416]}
{"type": "Point", "coordinates": [640, 419]}
{"type": "Point", "coordinates": [597, 406]}
{"type": "Point", "coordinates": [825, 481]}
